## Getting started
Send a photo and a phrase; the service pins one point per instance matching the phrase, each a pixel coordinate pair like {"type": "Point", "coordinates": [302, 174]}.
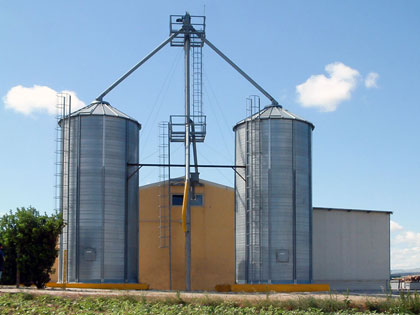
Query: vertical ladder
{"type": "Point", "coordinates": [253, 189]}
{"type": "Point", "coordinates": [58, 152]}
{"type": "Point", "coordinates": [197, 87]}
{"type": "Point", "coordinates": [248, 197]}
{"type": "Point", "coordinates": [58, 188]}
{"type": "Point", "coordinates": [163, 188]}
{"type": "Point", "coordinates": [62, 194]}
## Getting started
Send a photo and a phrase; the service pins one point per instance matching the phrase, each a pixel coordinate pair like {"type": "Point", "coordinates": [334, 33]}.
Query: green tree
{"type": "Point", "coordinates": [29, 243]}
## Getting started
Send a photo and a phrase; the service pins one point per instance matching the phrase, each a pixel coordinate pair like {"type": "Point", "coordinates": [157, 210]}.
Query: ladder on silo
{"type": "Point", "coordinates": [62, 194]}
{"type": "Point", "coordinates": [58, 152]}
{"type": "Point", "coordinates": [163, 185]}
{"type": "Point", "coordinates": [198, 117]}
{"type": "Point", "coordinates": [253, 189]}
{"type": "Point", "coordinates": [177, 122]}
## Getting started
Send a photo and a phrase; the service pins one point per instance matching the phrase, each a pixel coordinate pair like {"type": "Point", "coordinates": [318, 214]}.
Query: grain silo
{"type": "Point", "coordinates": [273, 197]}
{"type": "Point", "coordinates": [99, 198]}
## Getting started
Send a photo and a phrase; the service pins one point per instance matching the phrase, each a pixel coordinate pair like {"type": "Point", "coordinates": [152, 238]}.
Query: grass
{"type": "Point", "coordinates": [407, 303]}
{"type": "Point", "coordinates": [25, 303]}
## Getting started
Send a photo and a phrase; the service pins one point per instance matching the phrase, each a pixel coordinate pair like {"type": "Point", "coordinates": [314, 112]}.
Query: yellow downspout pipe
{"type": "Point", "coordinates": [184, 206]}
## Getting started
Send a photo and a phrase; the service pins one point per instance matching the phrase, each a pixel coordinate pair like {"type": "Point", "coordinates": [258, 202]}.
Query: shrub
{"type": "Point", "coordinates": [29, 243]}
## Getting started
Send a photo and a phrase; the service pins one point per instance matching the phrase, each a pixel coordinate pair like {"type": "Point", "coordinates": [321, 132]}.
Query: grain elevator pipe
{"type": "Point", "coordinates": [184, 206]}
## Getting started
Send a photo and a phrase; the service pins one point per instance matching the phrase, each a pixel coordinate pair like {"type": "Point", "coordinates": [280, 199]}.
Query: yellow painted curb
{"type": "Point", "coordinates": [312, 287]}
{"type": "Point", "coordinates": [111, 286]}
{"type": "Point", "coordinates": [223, 288]}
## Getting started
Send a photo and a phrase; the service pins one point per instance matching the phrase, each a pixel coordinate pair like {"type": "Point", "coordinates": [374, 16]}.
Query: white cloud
{"type": "Point", "coordinates": [395, 226]}
{"type": "Point", "coordinates": [27, 100]}
{"type": "Point", "coordinates": [326, 93]}
{"type": "Point", "coordinates": [405, 258]}
{"type": "Point", "coordinates": [408, 238]}
{"type": "Point", "coordinates": [370, 80]}
{"type": "Point", "coordinates": [405, 250]}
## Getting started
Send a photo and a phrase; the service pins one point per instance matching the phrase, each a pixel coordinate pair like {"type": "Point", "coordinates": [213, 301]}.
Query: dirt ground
{"type": "Point", "coordinates": [151, 295]}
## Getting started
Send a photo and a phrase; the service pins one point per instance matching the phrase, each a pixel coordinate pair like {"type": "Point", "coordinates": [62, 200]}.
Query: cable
{"type": "Point", "coordinates": [145, 158]}
{"type": "Point", "coordinates": [220, 172]}
{"type": "Point", "coordinates": [216, 115]}
{"type": "Point", "coordinates": [216, 99]}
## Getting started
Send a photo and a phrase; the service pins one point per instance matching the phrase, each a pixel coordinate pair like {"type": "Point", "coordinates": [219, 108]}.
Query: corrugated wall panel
{"type": "Point", "coordinates": [281, 199]}
{"type": "Point", "coordinates": [92, 188]}
{"type": "Point", "coordinates": [303, 206]}
{"type": "Point", "coordinates": [240, 215]}
{"type": "Point", "coordinates": [73, 196]}
{"type": "Point", "coordinates": [115, 162]}
{"type": "Point", "coordinates": [132, 203]}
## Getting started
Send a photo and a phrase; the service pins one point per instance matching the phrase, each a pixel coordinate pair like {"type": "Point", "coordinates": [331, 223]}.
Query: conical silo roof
{"type": "Point", "coordinates": [101, 108]}
{"type": "Point", "coordinates": [273, 112]}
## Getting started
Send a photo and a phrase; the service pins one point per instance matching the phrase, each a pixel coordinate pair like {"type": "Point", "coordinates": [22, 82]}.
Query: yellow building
{"type": "Point", "coordinates": [212, 236]}
{"type": "Point", "coordinates": [54, 273]}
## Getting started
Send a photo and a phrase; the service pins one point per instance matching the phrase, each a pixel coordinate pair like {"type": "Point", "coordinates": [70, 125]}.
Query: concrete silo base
{"type": "Point", "coordinates": [111, 286]}
{"type": "Point", "coordinates": [312, 287]}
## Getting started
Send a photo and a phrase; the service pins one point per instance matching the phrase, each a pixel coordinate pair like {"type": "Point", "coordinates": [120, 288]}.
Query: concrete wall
{"type": "Point", "coordinates": [212, 240]}
{"type": "Point", "coordinates": [351, 249]}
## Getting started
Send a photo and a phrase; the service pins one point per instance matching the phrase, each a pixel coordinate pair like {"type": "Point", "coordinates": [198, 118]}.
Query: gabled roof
{"type": "Point", "coordinates": [273, 112]}
{"type": "Point", "coordinates": [180, 180]}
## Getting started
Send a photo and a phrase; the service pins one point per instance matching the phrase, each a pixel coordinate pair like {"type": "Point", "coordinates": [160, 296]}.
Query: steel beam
{"type": "Point", "coordinates": [272, 100]}
{"type": "Point", "coordinates": [101, 96]}
{"type": "Point", "coordinates": [183, 165]}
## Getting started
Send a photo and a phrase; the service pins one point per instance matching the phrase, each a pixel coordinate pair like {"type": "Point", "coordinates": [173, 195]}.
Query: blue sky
{"type": "Point", "coordinates": [350, 67]}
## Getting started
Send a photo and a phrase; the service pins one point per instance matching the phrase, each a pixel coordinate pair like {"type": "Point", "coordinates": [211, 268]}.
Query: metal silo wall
{"type": "Point", "coordinates": [73, 167]}
{"type": "Point", "coordinates": [68, 200]}
{"type": "Point", "coordinates": [132, 203]}
{"type": "Point", "coordinates": [115, 172]}
{"type": "Point", "coordinates": [103, 208]}
{"type": "Point", "coordinates": [240, 214]}
{"type": "Point", "coordinates": [302, 159]}
{"type": "Point", "coordinates": [283, 157]}
{"type": "Point", "coordinates": [91, 206]}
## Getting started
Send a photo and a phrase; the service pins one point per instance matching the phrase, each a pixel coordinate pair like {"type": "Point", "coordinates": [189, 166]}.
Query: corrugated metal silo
{"type": "Point", "coordinates": [273, 211]}
{"type": "Point", "coordinates": [99, 196]}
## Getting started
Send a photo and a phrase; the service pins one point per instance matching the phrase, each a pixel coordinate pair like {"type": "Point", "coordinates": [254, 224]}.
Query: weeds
{"type": "Point", "coordinates": [177, 300]}
{"type": "Point", "coordinates": [208, 301]}
{"type": "Point", "coordinates": [408, 303]}
{"type": "Point", "coordinates": [26, 296]}
{"type": "Point", "coordinates": [23, 303]}
{"type": "Point", "coordinates": [143, 298]}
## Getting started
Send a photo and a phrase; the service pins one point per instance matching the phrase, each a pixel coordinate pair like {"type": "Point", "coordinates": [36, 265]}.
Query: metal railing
{"type": "Point", "coordinates": [177, 128]}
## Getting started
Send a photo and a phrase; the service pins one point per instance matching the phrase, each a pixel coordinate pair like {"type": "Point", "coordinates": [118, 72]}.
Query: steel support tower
{"type": "Point", "coordinates": [188, 31]}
